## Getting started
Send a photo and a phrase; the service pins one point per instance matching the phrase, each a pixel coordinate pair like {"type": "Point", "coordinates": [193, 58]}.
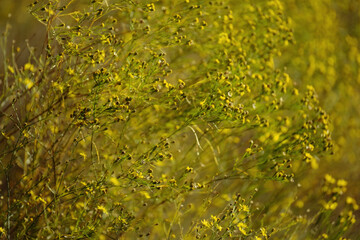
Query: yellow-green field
{"type": "Point", "coordinates": [179, 119]}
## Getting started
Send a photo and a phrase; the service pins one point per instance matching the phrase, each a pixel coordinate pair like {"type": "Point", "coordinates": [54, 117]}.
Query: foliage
{"type": "Point", "coordinates": [168, 120]}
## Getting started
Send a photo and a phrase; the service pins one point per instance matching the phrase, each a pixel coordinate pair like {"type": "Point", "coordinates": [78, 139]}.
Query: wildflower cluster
{"type": "Point", "coordinates": [234, 222]}
{"type": "Point", "coordinates": [141, 119]}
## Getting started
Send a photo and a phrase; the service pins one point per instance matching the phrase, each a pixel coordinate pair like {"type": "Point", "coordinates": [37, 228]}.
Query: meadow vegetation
{"type": "Point", "coordinates": [186, 119]}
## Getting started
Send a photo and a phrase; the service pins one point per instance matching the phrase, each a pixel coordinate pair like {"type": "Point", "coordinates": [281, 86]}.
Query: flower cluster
{"type": "Point", "coordinates": [171, 120]}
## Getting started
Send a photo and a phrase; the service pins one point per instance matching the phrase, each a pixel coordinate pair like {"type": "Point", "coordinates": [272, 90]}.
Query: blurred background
{"type": "Point", "coordinates": [327, 55]}
{"type": "Point", "coordinates": [20, 26]}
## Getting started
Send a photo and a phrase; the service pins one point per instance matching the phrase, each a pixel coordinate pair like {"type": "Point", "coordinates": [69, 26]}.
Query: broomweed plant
{"type": "Point", "coordinates": [163, 120]}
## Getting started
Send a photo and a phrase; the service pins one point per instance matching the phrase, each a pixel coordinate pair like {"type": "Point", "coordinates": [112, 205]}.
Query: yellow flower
{"type": "Point", "coordinates": [150, 7]}
{"type": "Point", "coordinates": [352, 201]}
{"type": "Point", "coordinates": [330, 205]}
{"type": "Point", "coordinates": [103, 209]}
{"type": "Point", "coordinates": [341, 183]}
{"type": "Point", "coordinates": [242, 226]}
{"type": "Point", "coordinates": [263, 231]}
{"type": "Point", "coordinates": [223, 38]}
{"type": "Point", "coordinates": [28, 83]}
{"type": "Point", "coordinates": [29, 66]}
{"type": "Point", "coordinates": [310, 159]}
{"type": "Point", "coordinates": [206, 223]}
{"type": "Point", "coordinates": [214, 218]}
{"type": "Point", "coordinates": [245, 208]}
{"type": "Point", "coordinates": [329, 179]}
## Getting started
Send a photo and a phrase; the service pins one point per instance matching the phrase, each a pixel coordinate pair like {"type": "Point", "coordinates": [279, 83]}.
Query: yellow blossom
{"type": "Point", "coordinates": [242, 228]}
{"type": "Point", "coordinates": [102, 209]}
{"type": "Point", "coordinates": [206, 223]}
